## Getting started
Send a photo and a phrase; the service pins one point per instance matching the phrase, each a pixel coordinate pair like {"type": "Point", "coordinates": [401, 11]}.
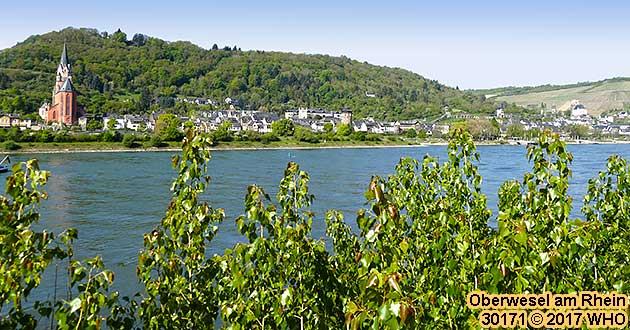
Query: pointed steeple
{"type": "Point", "coordinates": [67, 86]}
{"type": "Point", "coordinates": [64, 55]}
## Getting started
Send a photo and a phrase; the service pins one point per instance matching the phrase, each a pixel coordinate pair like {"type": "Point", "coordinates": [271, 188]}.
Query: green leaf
{"type": "Point", "coordinates": [75, 304]}
{"type": "Point", "coordinates": [285, 297]}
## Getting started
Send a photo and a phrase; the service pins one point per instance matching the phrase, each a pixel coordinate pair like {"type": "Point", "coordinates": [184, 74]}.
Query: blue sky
{"type": "Point", "coordinates": [468, 44]}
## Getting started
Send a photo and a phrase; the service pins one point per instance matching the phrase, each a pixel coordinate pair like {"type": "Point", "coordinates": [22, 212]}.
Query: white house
{"type": "Point", "coordinates": [578, 111]}
{"type": "Point", "coordinates": [119, 122]}
{"type": "Point", "coordinates": [500, 113]}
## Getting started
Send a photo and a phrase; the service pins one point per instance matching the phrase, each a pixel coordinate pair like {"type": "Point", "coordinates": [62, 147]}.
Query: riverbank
{"type": "Point", "coordinates": [96, 147]}
{"type": "Point", "coordinates": [93, 147]}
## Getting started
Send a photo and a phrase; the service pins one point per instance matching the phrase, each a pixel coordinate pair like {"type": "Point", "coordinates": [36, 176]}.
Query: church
{"type": "Point", "coordinates": [63, 109]}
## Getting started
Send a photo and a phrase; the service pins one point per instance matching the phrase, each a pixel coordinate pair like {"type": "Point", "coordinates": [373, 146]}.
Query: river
{"type": "Point", "coordinates": [114, 198]}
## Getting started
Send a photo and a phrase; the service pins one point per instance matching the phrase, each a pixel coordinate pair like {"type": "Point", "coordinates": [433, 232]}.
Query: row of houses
{"type": "Point", "coordinates": [128, 122]}
{"type": "Point", "coordinates": [14, 120]}
{"type": "Point", "coordinates": [561, 125]}
{"type": "Point", "coordinates": [370, 125]}
{"type": "Point", "coordinates": [317, 119]}
{"type": "Point", "coordinates": [345, 115]}
{"type": "Point", "coordinates": [240, 120]}
{"type": "Point", "coordinates": [197, 101]}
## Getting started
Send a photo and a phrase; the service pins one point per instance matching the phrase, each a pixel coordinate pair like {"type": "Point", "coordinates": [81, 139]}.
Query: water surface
{"type": "Point", "coordinates": [114, 198]}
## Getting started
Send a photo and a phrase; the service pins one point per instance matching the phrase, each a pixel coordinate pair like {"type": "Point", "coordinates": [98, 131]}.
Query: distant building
{"type": "Point", "coordinates": [302, 113]}
{"type": "Point", "coordinates": [13, 120]}
{"type": "Point", "coordinates": [289, 114]}
{"type": "Point", "coordinates": [346, 116]}
{"type": "Point", "coordinates": [8, 120]}
{"type": "Point", "coordinates": [500, 113]}
{"type": "Point", "coordinates": [63, 109]}
{"type": "Point", "coordinates": [578, 110]}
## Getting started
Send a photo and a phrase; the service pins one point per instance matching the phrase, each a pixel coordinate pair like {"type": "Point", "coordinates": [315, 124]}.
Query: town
{"type": "Point", "coordinates": [63, 112]}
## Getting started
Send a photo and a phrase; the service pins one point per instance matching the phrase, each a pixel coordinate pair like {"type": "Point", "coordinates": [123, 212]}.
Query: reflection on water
{"type": "Point", "coordinates": [114, 198]}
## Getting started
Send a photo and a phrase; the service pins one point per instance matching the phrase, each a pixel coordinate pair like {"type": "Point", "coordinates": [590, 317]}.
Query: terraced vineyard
{"type": "Point", "coordinates": [598, 97]}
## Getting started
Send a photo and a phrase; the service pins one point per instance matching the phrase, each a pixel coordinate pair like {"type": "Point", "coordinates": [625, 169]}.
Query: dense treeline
{"type": "Point", "coordinates": [114, 73]}
{"type": "Point", "coordinates": [13, 139]}
{"type": "Point", "coordinates": [421, 246]}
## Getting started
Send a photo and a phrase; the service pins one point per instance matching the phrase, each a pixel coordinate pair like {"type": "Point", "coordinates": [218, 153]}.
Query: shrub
{"type": "Point", "coordinates": [167, 127]}
{"type": "Point", "coordinates": [155, 142]}
{"type": "Point", "coordinates": [129, 141]}
{"type": "Point", "coordinates": [305, 135]}
{"type": "Point", "coordinates": [358, 136]}
{"type": "Point", "coordinates": [344, 130]}
{"type": "Point", "coordinates": [173, 266]}
{"type": "Point", "coordinates": [62, 137]}
{"type": "Point", "coordinates": [94, 125]}
{"type": "Point", "coordinates": [111, 136]}
{"type": "Point", "coordinates": [269, 137]}
{"type": "Point", "coordinates": [45, 136]}
{"type": "Point", "coordinates": [85, 137]}
{"type": "Point", "coordinates": [283, 127]}
{"type": "Point", "coordinates": [223, 133]}
{"type": "Point", "coordinates": [372, 137]}
{"type": "Point", "coordinates": [11, 145]}
{"type": "Point", "coordinates": [248, 135]}
{"type": "Point", "coordinates": [411, 133]}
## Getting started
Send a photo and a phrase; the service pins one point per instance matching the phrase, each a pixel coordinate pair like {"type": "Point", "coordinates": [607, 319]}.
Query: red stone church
{"type": "Point", "coordinates": [63, 109]}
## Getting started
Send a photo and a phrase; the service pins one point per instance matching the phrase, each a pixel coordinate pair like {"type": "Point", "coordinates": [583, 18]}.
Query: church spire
{"type": "Point", "coordinates": [67, 86]}
{"type": "Point", "coordinates": [64, 55]}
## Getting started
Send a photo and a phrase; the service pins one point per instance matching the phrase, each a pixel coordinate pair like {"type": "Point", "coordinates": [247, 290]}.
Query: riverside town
{"type": "Point", "coordinates": [64, 120]}
{"type": "Point", "coordinates": [318, 165]}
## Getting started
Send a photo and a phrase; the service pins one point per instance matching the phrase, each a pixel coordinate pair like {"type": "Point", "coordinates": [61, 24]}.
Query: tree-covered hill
{"type": "Point", "coordinates": [112, 71]}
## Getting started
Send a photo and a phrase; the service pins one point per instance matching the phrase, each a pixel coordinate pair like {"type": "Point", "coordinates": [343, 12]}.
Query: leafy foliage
{"type": "Point", "coordinates": [283, 127]}
{"type": "Point", "coordinates": [89, 309]}
{"type": "Point", "coordinates": [223, 133]}
{"type": "Point", "coordinates": [173, 266]}
{"type": "Point", "coordinates": [344, 130]}
{"type": "Point", "coordinates": [606, 227]}
{"type": "Point", "coordinates": [281, 278]}
{"type": "Point", "coordinates": [129, 141]}
{"type": "Point", "coordinates": [11, 145]}
{"type": "Point", "coordinates": [303, 134]}
{"type": "Point", "coordinates": [420, 247]}
{"type": "Point", "coordinates": [167, 127]}
{"type": "Point", "coordinates": [25, 253]}
{"type": "Point", "coordinates": [420, 244]}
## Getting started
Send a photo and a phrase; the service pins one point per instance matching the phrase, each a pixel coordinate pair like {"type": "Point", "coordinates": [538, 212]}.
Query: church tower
{"type": "Point", "coordinates": [63, 70]}
{"type": "Point", "coordinates": [63, 109]}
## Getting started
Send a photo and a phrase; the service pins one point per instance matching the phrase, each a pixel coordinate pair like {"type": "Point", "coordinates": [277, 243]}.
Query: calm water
{"type": "Point", "coordinates": [114, 198]}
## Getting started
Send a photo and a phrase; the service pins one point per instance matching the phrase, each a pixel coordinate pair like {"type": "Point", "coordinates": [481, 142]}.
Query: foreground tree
{"type": "Point", "coordinates": [177, 276]}
{"type": "Point", "coordinates": [288, 270]}
{"type": "Point", "coordinates": [419, 248]}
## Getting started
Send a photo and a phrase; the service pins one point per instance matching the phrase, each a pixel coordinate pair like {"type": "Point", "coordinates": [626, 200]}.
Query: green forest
{"type": "Point", "coordinates": [137, 74]}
